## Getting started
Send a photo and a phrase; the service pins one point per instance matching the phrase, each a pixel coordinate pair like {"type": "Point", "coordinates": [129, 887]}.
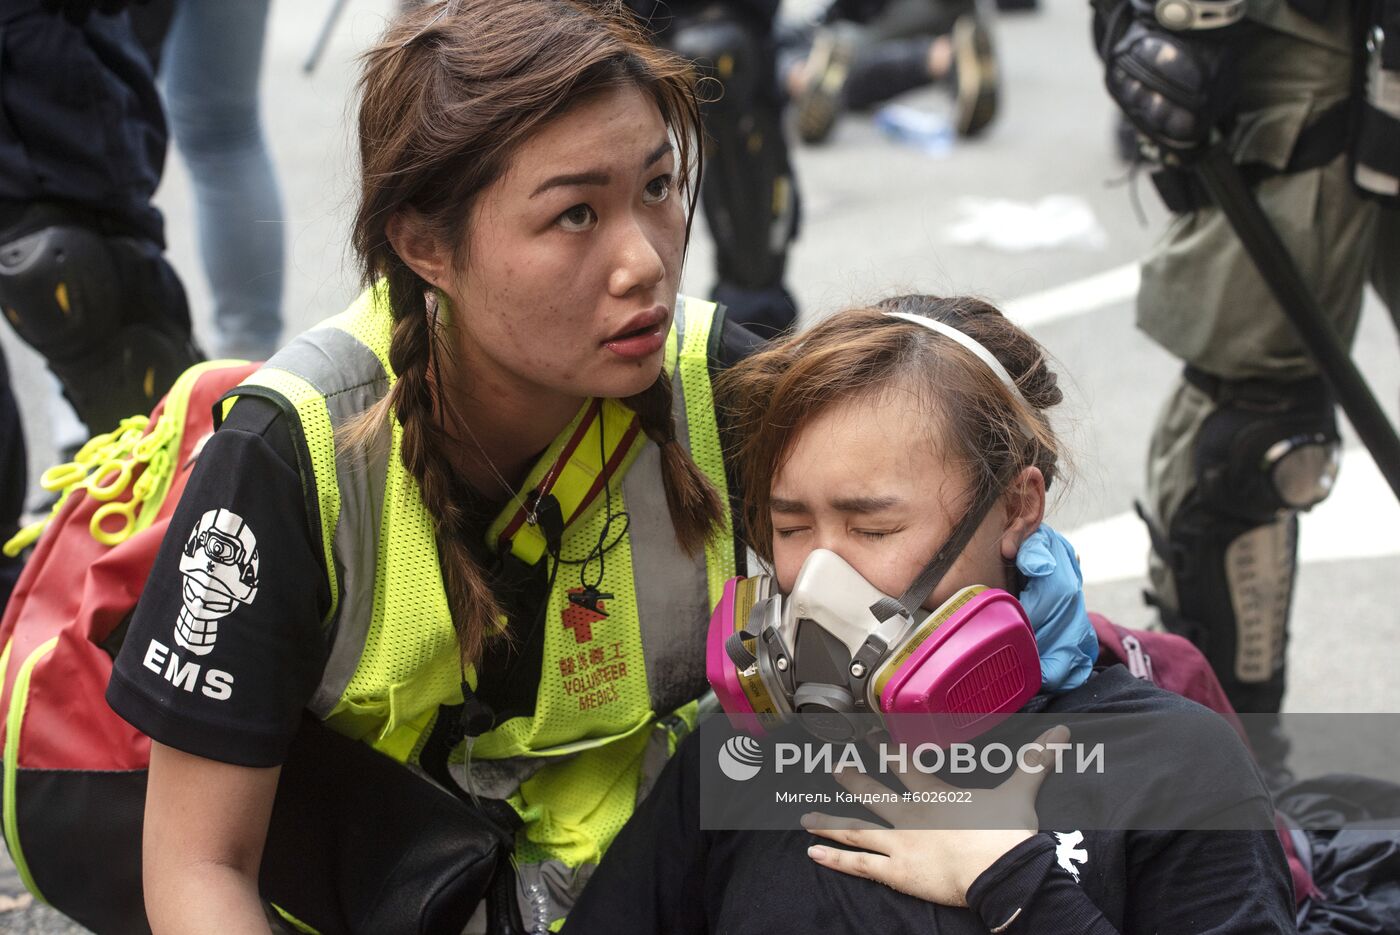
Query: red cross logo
{"type": "Point", "coordinates": [584, 609]}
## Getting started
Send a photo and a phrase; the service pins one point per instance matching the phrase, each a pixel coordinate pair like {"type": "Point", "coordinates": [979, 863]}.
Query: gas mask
{"type": "Point", "coordinates": [837, 650]}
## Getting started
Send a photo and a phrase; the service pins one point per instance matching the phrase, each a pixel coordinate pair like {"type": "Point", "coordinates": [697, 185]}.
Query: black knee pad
{"type": "Point", "coordinates": [1267, 452]}
{"type": "Point", "coordinates": [107, 313]}
{"type": "Point", "coordinates": [731, 53]}
{"type": "Point", "coordinates": [748, 194]}
{"type": "Point", "coordinates": [1268, 448]}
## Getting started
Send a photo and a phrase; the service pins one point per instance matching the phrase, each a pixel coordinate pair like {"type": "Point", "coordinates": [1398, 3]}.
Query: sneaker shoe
{"type": "Point", "coordinates": [822, 97]}
{"type": "Point", "coordinates": [974, 74]}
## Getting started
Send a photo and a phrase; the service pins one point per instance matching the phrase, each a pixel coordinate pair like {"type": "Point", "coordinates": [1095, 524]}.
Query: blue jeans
{"type": "Point", "coordinates": [213, 55]}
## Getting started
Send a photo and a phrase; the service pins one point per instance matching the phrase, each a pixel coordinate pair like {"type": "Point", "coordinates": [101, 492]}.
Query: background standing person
{"type": "Point", "coordinates": [477, 520]}
{"type": "Point", "coordinates": [83, 278]}
{"type": "Point", "coordinates": [749, 193]}
{"type": "Point", "coordinates": [1248, 438]}
{"type": "Point", "coordinates": [210, 73]}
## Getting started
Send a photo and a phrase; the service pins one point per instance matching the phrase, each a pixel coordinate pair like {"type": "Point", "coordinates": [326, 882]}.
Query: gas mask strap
{"type": "Point", "coordinates": [739, 653]}
{"type": "Point", "coordinates": [912, 599]}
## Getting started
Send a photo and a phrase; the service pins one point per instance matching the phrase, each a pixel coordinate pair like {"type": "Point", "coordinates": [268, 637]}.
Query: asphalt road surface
{"type": "Point", "coordinates": [881, 217]}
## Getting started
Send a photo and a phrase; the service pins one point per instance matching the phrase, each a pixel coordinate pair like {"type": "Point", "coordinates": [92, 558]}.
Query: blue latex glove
{"type": "Point", "coordinates": [1054, 603]}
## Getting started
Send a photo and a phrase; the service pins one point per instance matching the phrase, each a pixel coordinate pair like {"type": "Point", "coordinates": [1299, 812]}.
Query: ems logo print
{"type": "Point", "coordinates": [219, 565]}
{"type": "Point", "coordinates": [219, 568]}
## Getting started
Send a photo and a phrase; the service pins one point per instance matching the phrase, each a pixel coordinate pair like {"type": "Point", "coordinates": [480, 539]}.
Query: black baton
{"type": "Point", "coordinates": [1275, 265]}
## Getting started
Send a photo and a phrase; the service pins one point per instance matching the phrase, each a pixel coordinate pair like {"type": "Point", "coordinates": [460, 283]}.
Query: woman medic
{"type": "Point", "coordinates": [476, 520]}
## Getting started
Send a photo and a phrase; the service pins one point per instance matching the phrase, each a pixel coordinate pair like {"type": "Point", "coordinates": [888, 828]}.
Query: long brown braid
{"type": "Point", "coordinates": [690, 498]}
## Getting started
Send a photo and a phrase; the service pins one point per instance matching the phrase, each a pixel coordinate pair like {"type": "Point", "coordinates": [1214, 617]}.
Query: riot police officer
{"type": "Point", "coordinates": [1248, 438]}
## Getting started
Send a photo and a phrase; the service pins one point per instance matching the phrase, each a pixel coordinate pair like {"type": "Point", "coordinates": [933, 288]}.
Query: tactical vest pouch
{"type": "Point", "coordinates": [1375, 150]}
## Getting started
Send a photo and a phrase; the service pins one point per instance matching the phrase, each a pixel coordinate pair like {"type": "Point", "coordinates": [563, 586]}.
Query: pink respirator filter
{"type": "Point", "coordinates": [742, 697]}
{"type": "Point", "coordinates": [975, 669]}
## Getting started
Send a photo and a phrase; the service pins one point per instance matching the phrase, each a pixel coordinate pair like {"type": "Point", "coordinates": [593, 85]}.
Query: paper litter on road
{"type": "Point", "coordinates": [1017, 226]}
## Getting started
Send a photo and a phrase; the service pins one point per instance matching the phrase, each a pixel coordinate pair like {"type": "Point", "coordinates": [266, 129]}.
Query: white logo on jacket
{"type": "Point", "coordinates": [1069, 853]}
{"type": "Point", "coordinates": [219, 566]}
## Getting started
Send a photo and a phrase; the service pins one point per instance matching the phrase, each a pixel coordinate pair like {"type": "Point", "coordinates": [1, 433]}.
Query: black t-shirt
{"type": "Point", "coordinates": [664, 875]}
{"type": "Point", "coordinates": [226, 647]}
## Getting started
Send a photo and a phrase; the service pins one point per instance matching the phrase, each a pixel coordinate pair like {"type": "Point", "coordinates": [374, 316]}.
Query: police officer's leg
{"type": "Point", "coordinates": [105, 310]}
{"type": "Point", "coordinates": [1237, 455]}
{"type": "Point", "coordinates": [748, 194]}
{"type": "Point", "coordinates": [82, 278]}
{"type": "Point", "coordinates": [1233, 462]}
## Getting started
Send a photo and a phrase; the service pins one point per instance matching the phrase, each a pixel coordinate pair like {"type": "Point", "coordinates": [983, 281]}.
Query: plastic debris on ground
{"type": "Point", "coordinates": [927, 131]}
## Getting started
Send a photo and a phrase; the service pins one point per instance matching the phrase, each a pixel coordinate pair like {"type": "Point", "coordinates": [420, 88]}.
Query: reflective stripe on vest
{"type": "Point", "coordinates": [605, 678]}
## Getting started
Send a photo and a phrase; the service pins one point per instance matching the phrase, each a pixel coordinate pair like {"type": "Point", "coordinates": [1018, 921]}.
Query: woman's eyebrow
{"type": "Point", "coordinates": [862, 504]}
{"type": "Point", "coordinates": [657, 153]}
{"type": "Point", "coordinates": [865, 504]}
{"type": "Point", "coordinates": [596, 176]}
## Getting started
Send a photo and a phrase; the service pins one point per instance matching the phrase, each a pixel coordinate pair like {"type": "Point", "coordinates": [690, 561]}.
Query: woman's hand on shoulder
{"type": "Point", "coordinates": [916, 857]}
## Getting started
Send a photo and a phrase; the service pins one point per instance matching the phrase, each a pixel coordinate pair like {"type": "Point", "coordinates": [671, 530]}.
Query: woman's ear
{"type": "Point", "coordinates": [1025, 508]}
{"type": "Point", "coordinates": [424, 254]}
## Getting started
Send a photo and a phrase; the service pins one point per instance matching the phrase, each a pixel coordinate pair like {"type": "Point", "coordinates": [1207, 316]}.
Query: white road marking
{"type": "Point", "coordinates": [1115, 548]}
{"type": "Point", "coordinates": [1076, 298]}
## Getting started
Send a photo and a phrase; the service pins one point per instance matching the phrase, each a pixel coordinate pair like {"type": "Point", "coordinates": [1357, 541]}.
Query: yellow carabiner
{"type": "Point", "coordinates": [125, 510]}
{"type": "Point", "coordinates": [120, 471]}
{"type": "Point", "coordinates": [63, 476]}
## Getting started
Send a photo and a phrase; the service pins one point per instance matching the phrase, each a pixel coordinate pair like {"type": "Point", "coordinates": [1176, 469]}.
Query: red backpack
{"type": "Point", "coordinates": [60, 630]}
{"type": "Point", "coordinates": [73, 782]}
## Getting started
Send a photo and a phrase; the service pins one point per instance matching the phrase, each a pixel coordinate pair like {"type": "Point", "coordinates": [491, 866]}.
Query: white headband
{"type": "Point", "coordinates": [984, 355]}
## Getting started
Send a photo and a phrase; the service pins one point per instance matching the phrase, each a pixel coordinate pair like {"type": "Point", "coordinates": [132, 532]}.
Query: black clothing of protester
{"type": "Point", "coordinates": [81, 123]}
{"type": "Point", "coordinates": [274, 647]}
{"type": "Point", "coordinates": [664, 875]}
{"type": "Point", "coordinates": [81, 126]}
{"type": "Point", "coordinates": [1356, 862]}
